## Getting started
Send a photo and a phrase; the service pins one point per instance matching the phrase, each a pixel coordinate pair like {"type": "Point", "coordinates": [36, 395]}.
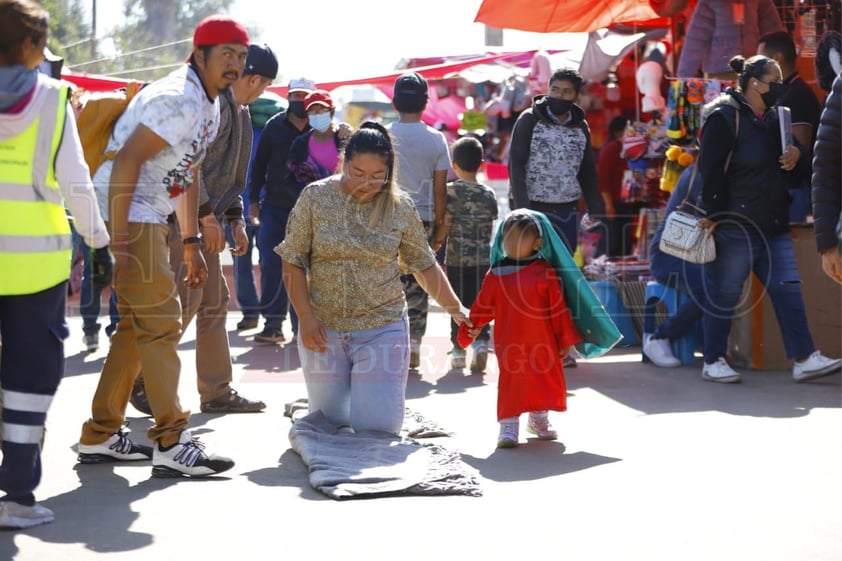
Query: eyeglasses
{"type": "Point", "coordinates": [363, 180]}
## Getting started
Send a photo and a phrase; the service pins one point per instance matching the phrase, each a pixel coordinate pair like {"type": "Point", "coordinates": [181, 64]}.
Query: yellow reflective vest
{"type": "Point", "coordinates": [35, 240]}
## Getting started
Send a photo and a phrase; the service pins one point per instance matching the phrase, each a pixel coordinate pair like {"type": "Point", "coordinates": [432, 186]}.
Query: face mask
{"type": "Point", "coordinates": [775, 93]}
{"type": "Point", "coordinates": [297, 109]}
{"type": "Point", "coordinates": [559, 106]}
{"type": "Point", "coordinates": [320, 122]}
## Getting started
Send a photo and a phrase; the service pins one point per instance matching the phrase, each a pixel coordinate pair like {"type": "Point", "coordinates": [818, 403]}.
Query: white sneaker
{"type": "Point", "coordinates": [118, 448]}
{"type": "Point", "coordinates": [508, 434]}
{"type": "Point", "coordinates": [659, 352]}
{"type": "Point", "coordinates": [91, 342]}
{"type": "Point", "coordinates": [16, 515]}
{"type": "Point", "coordinates": [721, 372]}
{"type": "Point", "coordinates": [458, 359]}
{"type": "Point", "coordinates": [480, 360]}
{"type": "Point", "coordinates": [815, 366]}
{"type": "Point", "coordinates": [414, 354]}
{"type": "Point", "coordinates": [187, 457]}
{"type": "Point", "coordinates": [539, 425]}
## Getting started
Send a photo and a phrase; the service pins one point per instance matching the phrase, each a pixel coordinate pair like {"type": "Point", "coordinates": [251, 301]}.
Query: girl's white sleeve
{"type": "Point", "coordinates": [75, 182]}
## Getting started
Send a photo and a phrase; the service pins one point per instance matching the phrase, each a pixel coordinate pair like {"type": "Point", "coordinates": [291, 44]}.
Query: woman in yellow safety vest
{"type": "Point", "coordinates": [42, 171]}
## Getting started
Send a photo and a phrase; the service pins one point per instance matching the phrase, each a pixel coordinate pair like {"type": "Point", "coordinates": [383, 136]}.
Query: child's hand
{"type": "Point", "coordinates": [563, 352]}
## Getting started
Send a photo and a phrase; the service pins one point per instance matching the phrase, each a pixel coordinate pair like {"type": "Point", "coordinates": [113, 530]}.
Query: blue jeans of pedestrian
{"type": "Point", "coordinates": [685, 277]}
{"type": "Point", "coordinates": [565, 219]}
{"type": "Point", "coordinates": [244, 286]}
{"type": "Point", "coordinates": [90, 300]}
{"type": "Point", "coordinates": [360, 381]}
{"type": "Point", "coordinates": [740, 251]}
{"type": "Point", "coordinates": [274, 302]}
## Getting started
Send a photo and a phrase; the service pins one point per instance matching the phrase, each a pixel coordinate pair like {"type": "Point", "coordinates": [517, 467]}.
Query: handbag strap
{"type": "Point", "coordinates": [696, 168]}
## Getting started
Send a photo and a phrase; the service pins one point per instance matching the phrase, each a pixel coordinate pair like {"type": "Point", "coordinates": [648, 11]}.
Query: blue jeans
{"type": "Point", "coordinates": [361, 379]}
{"type": "Point", "coordinates": [740, 251]}
{"type": "Point", "coordinates": [274, 302]}
{"type": "Point", "coordinates": [801, 204]}
{"type": "Point", "coordinates": [89, 300]}
{"type": "Point", "coordinates": [565, 219]}
{"type": "Point", "coordinates": [244, 285]}
{"type": "Point", "coordinates": [684, 277]}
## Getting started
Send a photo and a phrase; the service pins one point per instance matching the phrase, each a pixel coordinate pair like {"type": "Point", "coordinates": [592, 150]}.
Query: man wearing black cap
{"type": "Point", "coordinates": [423, 163]}
{"type": "Point", "coordinates": [159, 143]}
{"type": "Point", "coordinates": [222, 180]}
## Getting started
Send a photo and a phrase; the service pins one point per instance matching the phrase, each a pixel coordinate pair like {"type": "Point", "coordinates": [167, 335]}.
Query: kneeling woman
{"type": "Point", "coordinates": [349, 238]}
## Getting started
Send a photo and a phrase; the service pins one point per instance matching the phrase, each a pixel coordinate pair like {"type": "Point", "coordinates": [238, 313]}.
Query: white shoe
{"type": "Point", "coordinates": [16, 515]}
{"type": "Point", "coordinates": [458, 359]}
{"type": "Point", "coordinates": [539, 425]}
{"type": "Point", "coordinates": [508, 434]}
{"type": "Point", "coordinates": [721, 372]}
{"type": "Point", "coordinates": [659, 352]}
{"type": "Point", "coordinates": [118, 448]}
{"type": "Point", "coordinates": [815, 366]}
{"type": "Point", "coordinates": [187, 457]}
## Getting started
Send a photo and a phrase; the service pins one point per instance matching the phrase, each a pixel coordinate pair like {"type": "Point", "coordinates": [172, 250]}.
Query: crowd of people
{"type": "Point", "coordinates": [354, 228]}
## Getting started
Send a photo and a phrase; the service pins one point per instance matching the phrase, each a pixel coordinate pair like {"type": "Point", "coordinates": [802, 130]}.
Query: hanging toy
{"type": "Point", "coordinates": [673, 120]}
{"type": "Point", "coordinates": [695, 99]}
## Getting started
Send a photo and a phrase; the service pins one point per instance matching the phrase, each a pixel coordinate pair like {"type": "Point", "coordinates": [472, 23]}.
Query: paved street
{"type": "Point", "coordinates": [650, 465]}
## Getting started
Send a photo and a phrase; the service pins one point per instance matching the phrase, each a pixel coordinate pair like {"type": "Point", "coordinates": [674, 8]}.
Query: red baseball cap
{"type": "Point", "coordinates": [318, 97]}
{"type": "Point", "coordinates": [220, 30]}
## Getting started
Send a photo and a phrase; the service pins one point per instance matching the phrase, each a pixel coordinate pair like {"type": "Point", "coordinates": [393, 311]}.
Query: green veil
{"type": "Point", "coordinates": [599, 333]}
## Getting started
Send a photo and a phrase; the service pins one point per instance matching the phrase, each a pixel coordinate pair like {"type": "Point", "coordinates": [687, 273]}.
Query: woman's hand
{"type": "Point", "coordinates": [460, 316]}
{"type": "Point", "coordinates": [312, 334]}
{"type": "Point", "coordinates": [707, 224]}
{"type": "Point", "coordinates": [789, 159]}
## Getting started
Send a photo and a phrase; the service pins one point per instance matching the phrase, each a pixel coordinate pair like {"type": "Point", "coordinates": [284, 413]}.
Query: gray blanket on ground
{"type": "Point", "coordinates": [369, 464]}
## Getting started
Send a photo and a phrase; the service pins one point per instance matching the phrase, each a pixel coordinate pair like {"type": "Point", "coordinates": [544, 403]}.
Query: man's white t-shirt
{"type": "Point", "coordinates": [421, 151]}
{"type": "Point", "coordinates": [177, 109]}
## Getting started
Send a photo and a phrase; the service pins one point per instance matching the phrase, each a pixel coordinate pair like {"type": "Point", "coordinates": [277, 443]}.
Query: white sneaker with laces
{"type": "Point", "coordinates": [118, 448]}
{"type": "Point", "coordinates": [659, 352]}
{"type": "Point", "coordinates": [815, 366]}
{"type": "Point", "coordinates": [187, 457]}
{"type": "Point", "coordinates": [508, 434]}
{"type": "Point", "coordinates": [720, 371]}
{"type": "Point", "coordinates": [16, 515]}
{"type": "Point", "coordinates": [539, 425]}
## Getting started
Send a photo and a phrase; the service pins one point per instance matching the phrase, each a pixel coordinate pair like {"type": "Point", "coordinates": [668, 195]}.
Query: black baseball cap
{"type": "Point", "coordinates": [261, 61]}
{"type": "Point", "coordinates": [411, 84]}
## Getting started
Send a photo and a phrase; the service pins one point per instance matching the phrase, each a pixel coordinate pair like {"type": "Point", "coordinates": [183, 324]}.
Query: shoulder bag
{"type": "Point", "coordinates": [683, 237]}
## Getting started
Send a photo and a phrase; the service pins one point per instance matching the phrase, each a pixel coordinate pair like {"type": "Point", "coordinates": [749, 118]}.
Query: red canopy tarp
{"type": "Point", "coordinates": [96, 83]}
{"type": "Point", "coordinates": [557, 16]}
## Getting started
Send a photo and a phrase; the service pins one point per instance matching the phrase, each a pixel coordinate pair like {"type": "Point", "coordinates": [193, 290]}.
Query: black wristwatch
{"type": "Point", "coordinates": [191, 239]}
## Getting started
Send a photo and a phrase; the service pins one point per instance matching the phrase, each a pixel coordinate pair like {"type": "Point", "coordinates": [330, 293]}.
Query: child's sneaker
{"type": "Point", "coordinates": [539, 425]}
{"type": "Point", "coordinates": [457, 361]}
{"type": "Point", "coordinates": [414, 354]}
{"type": "Point", "coordinates": [480, 359]}
{"type": "Point", "coordinates": [508, 434]}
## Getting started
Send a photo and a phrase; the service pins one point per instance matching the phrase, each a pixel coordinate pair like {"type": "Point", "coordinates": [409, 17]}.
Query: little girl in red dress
{"type": "Point", "coordinates": [533, 329]}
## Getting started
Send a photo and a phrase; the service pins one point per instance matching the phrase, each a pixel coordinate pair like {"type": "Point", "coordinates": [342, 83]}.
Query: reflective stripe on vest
{"type": "Point", "coordinates": [35, 241]}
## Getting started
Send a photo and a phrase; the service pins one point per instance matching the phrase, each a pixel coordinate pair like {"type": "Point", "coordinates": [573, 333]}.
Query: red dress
{"type": "Point", "coordinates": [531, 325]}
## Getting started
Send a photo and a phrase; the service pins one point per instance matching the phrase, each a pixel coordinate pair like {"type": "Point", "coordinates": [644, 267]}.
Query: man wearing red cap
{"type": "Point", "coordinates": [159, 143]}
{"type": "Point", "coordinates": [223, 178]}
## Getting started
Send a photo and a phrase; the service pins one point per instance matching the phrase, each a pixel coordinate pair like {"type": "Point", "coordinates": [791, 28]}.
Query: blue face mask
{"type": "Point", "coordinates": [320, 122]}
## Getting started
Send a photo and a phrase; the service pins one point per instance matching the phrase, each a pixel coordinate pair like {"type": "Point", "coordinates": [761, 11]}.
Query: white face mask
{"type": "Point", "coordinates": [320, 122]}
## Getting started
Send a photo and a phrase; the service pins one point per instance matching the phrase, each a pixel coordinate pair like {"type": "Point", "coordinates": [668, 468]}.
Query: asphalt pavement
{"type": "Point", "coordinates": [651, 464]}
